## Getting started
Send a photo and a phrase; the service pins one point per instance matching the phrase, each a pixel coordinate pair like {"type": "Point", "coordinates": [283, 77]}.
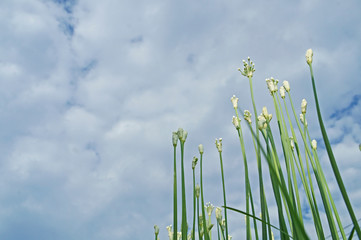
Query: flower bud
{"type": "Point", "coordinates": [235, 121]}
{"type": "Point", "coordinates": [292, 143]}
{"type": "Point", "coordinates": [209, 207]}
{"type": "Point", "coordinates": [309, 56]}
{"type": "Point", "coordinates": [303, 120]}
{"type": "Point", "coordinates": [234, 101]}
{"type": "Point", "coordinates": [314, 144]}
{"type": "Point", "coordinates": [286, 85]}
{"type": "Point", "coordinates": [179, 235]}
{"type": "Point", "coordinates": [247, 116]}
{"type": "Point", "coordinates": [170, 232]}
{"type": "Point", "coordinates": [156, 230]}
{"type": "Point", "coordinates": [303, 106]}
{"type": "Point", "coordinates": [219, 144]}
{"type": "Point", "coordinates": [200, 148]}
{"type": "Point", "coordinates": [194, 162]}
{"type": "Point", "coordinates": [262, 123]}
{"type": "Point", "coordinates": [265, 114]}
{"type": "Point", "coordinates": [272, 85]}
{"type": "Point", "coordinates": [175, 138]}
{"type": "Point", "coordinates": [198, 190]}
{"type": "Point", "coordinates": [282, 92]}
{"type": "Point", "coordinates": [219, 214]}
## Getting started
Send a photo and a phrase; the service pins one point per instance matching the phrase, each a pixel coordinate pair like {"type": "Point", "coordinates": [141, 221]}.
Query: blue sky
{"type": "Point", "coordinates": [92, 90]}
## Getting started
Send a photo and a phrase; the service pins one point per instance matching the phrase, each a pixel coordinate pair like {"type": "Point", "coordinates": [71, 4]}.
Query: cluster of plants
{"type": "Point", "coordinates": [293, 167]}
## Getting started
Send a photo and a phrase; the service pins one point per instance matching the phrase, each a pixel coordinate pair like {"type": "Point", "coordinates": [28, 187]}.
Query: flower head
{"type": "Point", "coordinates": [303, 119]}
{"type": "Point", "coordinates": [247, 116]}
{"type": "Point", "coordinates": [282, 92]}
{"type": "Point", "coordinates": [314, 144]}
{"type": "Point", "coordinates": [200, 148]}
{"type": "Point", "coordinates": [182, 135]}
{"type": "Point", "coordinates": [219, 214]}
{"type": "Point", "coordinates": [175, 138]}
{"type": "Point", "coordinates": [286, 85]}
{"type": "Point", "coordinates": [194, 162]}
{"type": "Point", "coordinates": [234, 101]}
{"type": "Point", "coordinates": [272, 85]}
{"type": "Point", "coordinates": [170, 232]}
{"type": "Point", "coordinates": [198, 190]}
{"type": "Point", "coordinates": [209, 208]}
{"type": "Point", "coordinates": [262, 122]}
{"type": "Point", "coordinates": [267, 116]}
{"type": "Point", "coordinates": [248, 68]}
{"type": "Point", "coordinates": [219, 144]}
{"type": "Point", "coordinates": [156, 230]}
{"type": "Point", "coordinates": [303, 106]}
{"type": "Point", "coordinates": [309, 56]}
{"type": "Point", "coordinates": [292, 143]}
{"type": "Point", "coordinates": [235, 121]}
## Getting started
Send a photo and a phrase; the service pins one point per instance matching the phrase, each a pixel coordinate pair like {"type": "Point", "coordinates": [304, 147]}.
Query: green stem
{"type": "Point", "coordinates": [175, 209]}
{"type": "Point", "coordinates": [206, 236]}
{"type": "Point", "coordinates": [184, 226]}
{"type": "Point", "coordinates": [333, 161]}
{"type": "Point", "coordinates": [224, 194]}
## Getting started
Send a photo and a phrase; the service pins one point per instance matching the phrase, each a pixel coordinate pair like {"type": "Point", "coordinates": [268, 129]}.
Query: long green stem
{"type": "Point", "coordinates": [184, 227]}
{"type": "Point", "coordinates": [194, 205]}
{"type": "Point", "coordinates": [333, 160]}
{"type": "Point", "coordinates": [224, 194]}
{"type": "Point", "coordinates": [175, 209]}
{"type": "Point", "coordinates": [206, 236]}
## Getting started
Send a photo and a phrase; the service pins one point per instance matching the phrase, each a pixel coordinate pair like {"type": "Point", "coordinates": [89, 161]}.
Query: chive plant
{"type": "Point", "coordinates": [293, 167]}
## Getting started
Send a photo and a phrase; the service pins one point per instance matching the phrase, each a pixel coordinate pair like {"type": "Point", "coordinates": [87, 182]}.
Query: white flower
{"type": "Point", "coordinates": [247, 116]}
{"type": "Point", "coordinates": [314, 144]}
{"type": "Point", "coordinates": [156, 230]}
{"type": "Point", "coordinates": [234, 101]}
{"type": "Point", "coordinates": [179, 235]}
{"type": "Point", "coordinates": [272, 85]}
{"type": "Point", "coordinates": [170, 232]}
{"type": "Point", "coordinates": [303, 120]}
{"type": "Point", "coordinates": [303, 106]}
{"type": "Point", "coordinates": [229, 237]}
{"type": "Point", "coordinates": [266, 115]}
{"type": "Point", "coordinates": [182, 134]}
{"type": "Point", "coordinates": [219, 214]}
{"type": "Point", "coordinates": [235, 122]}
{"type": "Point", "coordinates": [282, 92]}
{"type": "Point", "coordinates": [219, 144]}
{"type": "Point", "coordinates": [262, 122]}
{"type": "Point", "coordinates": [175, 138]}
{"type": "Point", "coordinates": [286, 85]}
{"type": "Point", "coordinates": [194, 162]}
{"type": "Point", "coordinates": [209, 208]}
{"type": "Point", "coordinates": [292, 143]}
{"type": "Point", "coordinates": [309, 56]}
{"type": "Point", "coordinates": [200, 148]}
{"type": "Point", "coordinates": [198, 190]}
{"type": "Point", "coordinates": [248, 68]}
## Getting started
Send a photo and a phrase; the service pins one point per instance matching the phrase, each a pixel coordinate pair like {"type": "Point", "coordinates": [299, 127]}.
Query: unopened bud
{"type": "Point", "coordinates": [194, 162]}
{"type": "Point", "coordinates": [219, 144]}
{"type": "Point", "coordinates": [303, 106]}
{"type": "Point", "coordinates": [234, 101]}
{"type": "Point", "coordinates": [235, 122]}
{"type": "Point", "coordinates": [200, 148]}
{"type": "Point", "coordinates": [314, 144]}
{"type": "Point", "coordinates": [309, 56]}
{"type": "Point", "coordinates": [286, 85]}
{"type": "Point", "coordinates": [282, 92]}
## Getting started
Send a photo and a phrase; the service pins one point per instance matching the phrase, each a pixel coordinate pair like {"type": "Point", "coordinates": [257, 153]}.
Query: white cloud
{"type": "Point", "coordinates": [91, 92]}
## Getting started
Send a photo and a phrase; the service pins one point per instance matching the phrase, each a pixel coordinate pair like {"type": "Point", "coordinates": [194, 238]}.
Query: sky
{"type": "Point", "coordinates": [91, 92]}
